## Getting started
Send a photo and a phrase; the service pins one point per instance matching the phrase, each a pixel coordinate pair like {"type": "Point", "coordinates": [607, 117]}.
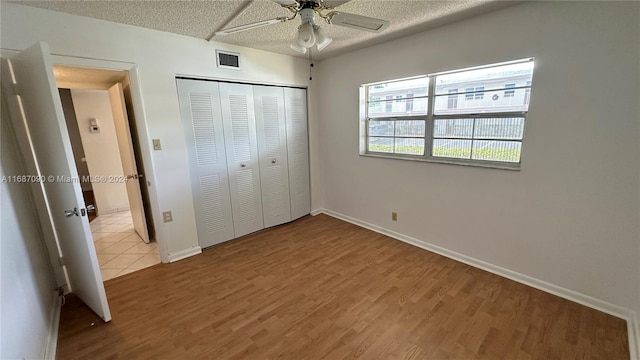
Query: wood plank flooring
{"type": "Point", "coordinates": [320, 288]}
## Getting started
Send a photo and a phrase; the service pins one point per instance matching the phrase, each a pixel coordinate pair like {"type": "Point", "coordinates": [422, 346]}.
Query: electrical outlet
{"type": "Point", "coordinates": [156, 144]}
{"type": "Point", "coordinates": [394, 216]}
{"type": "Point", "coordinates": [167, 217]}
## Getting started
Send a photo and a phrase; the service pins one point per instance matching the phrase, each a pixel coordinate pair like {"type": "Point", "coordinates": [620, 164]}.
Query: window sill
{"type": "Point", "coordinates": [487, 164]}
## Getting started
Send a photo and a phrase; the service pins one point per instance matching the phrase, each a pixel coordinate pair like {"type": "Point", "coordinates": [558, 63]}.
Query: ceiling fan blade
{"type": "Point", "coordinates": [335, 3]}
{"type": "Point", "coordinates": [358, 22]}
{"type": "Point", "coordinates": [251, 26]}
{"type": "Point", "coordinates": [285, 2]}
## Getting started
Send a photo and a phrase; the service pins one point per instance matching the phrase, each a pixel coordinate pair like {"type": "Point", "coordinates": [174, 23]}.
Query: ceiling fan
{"type": "Point", "coordinates": [310, 33]}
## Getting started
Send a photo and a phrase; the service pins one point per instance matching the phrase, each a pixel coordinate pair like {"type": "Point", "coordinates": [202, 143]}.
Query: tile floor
{"type": "Point", "coordinates": [120, 250]}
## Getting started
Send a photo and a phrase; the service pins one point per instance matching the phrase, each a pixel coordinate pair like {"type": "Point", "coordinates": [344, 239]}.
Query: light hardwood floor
{"type": "Point", "coordinates": [322, 288]}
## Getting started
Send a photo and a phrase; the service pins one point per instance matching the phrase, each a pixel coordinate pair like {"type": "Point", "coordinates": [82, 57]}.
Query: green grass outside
{"type": "Point", "coordinates": [505, 154]}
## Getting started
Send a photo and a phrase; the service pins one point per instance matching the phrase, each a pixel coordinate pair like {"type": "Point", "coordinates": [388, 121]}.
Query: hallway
{"type": "Point", "coordinates": [120, 250]}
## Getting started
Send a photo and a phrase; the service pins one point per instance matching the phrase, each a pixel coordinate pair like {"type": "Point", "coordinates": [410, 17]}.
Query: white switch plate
{"type": "Point", "coordinates": [167, 216]}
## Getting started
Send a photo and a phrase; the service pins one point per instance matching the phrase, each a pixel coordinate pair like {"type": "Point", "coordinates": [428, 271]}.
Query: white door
{"type": "Point", "coordinates": [125, 145]}
{"type": "Point", "coordinates": [238, 116]}
{"type": "Point", "coordinates": [204, 134]}
{"type": "Point", "coordinates": [272, 151]}
{"type": "Point", "coordinates": [36, 88]}
{"type": "Point", "coordinates": [298, 151]}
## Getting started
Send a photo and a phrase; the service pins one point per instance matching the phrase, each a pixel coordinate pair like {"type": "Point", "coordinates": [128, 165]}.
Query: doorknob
{"type": "Point", "coordinates": [91, 208]}
{"type": "Point", "coordinates": [273, 161]}
{"type": "Point", "coordinates": [70, 213]}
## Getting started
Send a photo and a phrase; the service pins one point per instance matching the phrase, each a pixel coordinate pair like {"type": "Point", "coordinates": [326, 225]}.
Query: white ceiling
{"type": "Point", "coordinates": [200, 19]}
{"type": "Point", "coordinates": [81, 78]}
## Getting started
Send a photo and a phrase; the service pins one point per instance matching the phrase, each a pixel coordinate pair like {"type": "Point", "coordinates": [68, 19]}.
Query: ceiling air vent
{"type": "Point", "coordinates": [228, 60]}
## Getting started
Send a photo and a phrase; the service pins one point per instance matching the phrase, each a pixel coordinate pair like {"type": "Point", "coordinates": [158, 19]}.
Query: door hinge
{"type": "Point", "coordinates": [61, 261]}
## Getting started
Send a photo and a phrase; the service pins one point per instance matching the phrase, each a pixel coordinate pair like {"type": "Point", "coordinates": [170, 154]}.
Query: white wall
{"type": "Point", "coordinates": [27, 291]}
{"type": "Point", "coordinates": [101, 149]}
{"type": "Point", "coordinates": [159, 57]}
{"type": "Point", "coordinates": [570, 216]}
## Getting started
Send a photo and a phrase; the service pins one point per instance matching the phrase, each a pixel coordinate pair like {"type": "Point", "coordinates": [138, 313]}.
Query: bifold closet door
{"type": "Point", "coordinates": [272, 151]}
{"type": "Point", "coordinates": [238, 116]}
{"type": "Point", "coordinates": [298, 151]}
{"type": "Point", "coordinates": [203, 126]}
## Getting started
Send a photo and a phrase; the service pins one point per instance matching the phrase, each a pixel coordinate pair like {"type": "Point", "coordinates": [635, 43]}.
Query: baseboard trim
{"type": "Point", "coordinates": [54, 326]}
{"type": "Point", "coordinates": [586, 300]}
{"type": "Point", "coordinates": [185, 254]}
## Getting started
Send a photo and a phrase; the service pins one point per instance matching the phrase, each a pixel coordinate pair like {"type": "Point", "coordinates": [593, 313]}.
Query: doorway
{"type": "Point", "coordinates": [110, 171]}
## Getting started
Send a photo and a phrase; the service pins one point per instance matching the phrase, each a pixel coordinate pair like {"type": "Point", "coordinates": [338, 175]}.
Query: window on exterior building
{"type": "Point", "coordinates": [469, 94]}
{"type": "Point", "coordinates": [509, 92]}
{"type": "Point", "coordinates": [474, 93]}
{"type": "Point", "coordinates": [389, 103]}
{"type": "Point", "coordinates": [487, 131]}
{"type": "Point", "coordinates": [452, 102]}
{"type": "Point", "coordinates": [409, 103]}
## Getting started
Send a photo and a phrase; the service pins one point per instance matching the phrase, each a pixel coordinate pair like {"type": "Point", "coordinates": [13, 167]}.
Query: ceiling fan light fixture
{"type": "Point", "coordinates": [298, 48]}
{"type": "Point", "coordinates": [306, 37]}
{"type": "Point", "coordinates": [322, 40]}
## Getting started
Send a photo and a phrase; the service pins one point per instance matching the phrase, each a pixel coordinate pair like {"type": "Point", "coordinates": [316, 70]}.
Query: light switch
{"type": "Point", "coordinates": [94, 127]}
{"type": "Point", "coordinates": [156, 144]}
{"type": "Point", "coordinates": [167, 216]}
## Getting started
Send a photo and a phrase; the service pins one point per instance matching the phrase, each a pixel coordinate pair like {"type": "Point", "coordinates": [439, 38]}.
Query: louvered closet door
{"type": "Point", "coordinates": [272, 150]}
{"type": "Point", "coordinates": [238, 114]}
{"type": "Point", "coordinates": [298, 151]}
{"type": "Point", "coordinates": [202, 120]}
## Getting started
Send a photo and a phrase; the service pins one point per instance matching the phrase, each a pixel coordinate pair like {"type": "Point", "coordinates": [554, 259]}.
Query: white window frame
{"type": "Point", "coordinates": [430, 118]}
{"type": "Point", "coordinates": [364, 128]}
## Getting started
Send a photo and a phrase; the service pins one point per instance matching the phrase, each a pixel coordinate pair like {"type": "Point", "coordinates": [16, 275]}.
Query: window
{"type": "Point", "coordinates": [510, 92]}
{"type": "Point", "coordinates": [474, 93]}
{"type": "Point", "coordinates": [486, 128]}
{"type": "Point", "coordinates": [453, 99]}
{"type": "Point", "coordinates": [527, 92]}
{"type": "Point", "coordinates": [469, 94]}
{"type": "Point", "coordinates": [399, 129]}
{"type": "Point", "coordinates": [409, 104]}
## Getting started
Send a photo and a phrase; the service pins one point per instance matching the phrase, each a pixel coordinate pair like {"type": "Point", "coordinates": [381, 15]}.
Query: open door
{"type": "Point", "coordinates": [43, 120]}
{"type": "Point", "coordinates": [125, 145]}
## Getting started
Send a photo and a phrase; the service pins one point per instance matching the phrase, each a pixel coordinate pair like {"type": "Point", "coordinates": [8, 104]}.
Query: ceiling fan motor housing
{"type": "Point", "coordinates": [307, 15]}
{"type": "Point", "coordinates": [311, 4]}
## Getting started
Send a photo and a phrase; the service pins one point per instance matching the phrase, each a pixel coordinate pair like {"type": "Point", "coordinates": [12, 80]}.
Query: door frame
{"type": "Point", "coordinates": [142, 129]}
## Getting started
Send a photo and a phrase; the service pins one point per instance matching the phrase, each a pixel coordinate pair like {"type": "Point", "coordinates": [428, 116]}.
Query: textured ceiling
{"type": "Point", "coordinates": [200, 19]}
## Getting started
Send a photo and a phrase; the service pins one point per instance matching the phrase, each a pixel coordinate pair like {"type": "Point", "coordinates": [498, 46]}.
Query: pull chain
{"type": "Point", "coordinates": [310, 64]}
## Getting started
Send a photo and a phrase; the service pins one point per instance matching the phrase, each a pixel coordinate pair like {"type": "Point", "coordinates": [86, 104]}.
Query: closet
{"type": "Point", "coordinates": [248, 156]}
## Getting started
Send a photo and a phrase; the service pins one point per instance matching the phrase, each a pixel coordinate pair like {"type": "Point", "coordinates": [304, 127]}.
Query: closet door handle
{"type": "Point", "coordinates": [243, 165]}
{"type": "Point", "coordinates": [273, 161]}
